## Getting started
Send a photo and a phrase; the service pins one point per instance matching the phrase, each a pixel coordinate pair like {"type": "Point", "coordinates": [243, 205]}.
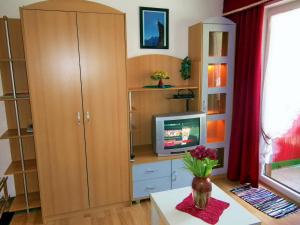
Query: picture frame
{"type": "Point", "coordinates": [154, 28]}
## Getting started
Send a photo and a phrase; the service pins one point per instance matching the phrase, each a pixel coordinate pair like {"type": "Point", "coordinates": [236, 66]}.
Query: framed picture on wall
{"type": "Point", "coordinates": [154, 28]}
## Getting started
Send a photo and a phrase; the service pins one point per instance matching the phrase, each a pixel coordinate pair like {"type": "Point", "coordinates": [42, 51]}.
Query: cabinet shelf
{"type": "Point", "coordinates": [10, 97]}
{"type": "Point", "coordinates": [182, 99]}
{"type": "Point", "coordinates": [214, 140]}
{"type": "Point", "coordinates": [12, 60]}
{"type": "Point", "coordinates": [16, 167]}
{"type": "Point", "coordinates": [13, 133]}
{"type": "Point", "coordinates": [142, 89]}
{"type": "Point", "coordinates": [18, 203]}
{"type": "Point", "coordinates": [145, 154]}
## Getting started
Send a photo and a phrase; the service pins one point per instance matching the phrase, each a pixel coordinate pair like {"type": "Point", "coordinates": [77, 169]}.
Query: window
{"type": "Point", "coordinates": [280, 147]}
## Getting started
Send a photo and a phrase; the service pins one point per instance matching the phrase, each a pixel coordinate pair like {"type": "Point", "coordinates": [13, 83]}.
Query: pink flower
{"type": "Point", "coordinates": [201, 153]}
{"type": "Point", "coordinates": [212, 153]}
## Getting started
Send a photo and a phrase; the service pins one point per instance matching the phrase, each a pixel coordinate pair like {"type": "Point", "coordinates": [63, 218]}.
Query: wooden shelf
{"type": "Point", "coordinates": [212, 140]}
{"type": "Point", "coordinates": [13, 133]}
{"type": "Point", "coordinates": [145, 154]}
{"type": "Point", "coordinates": [16, 167]}
{"type": "Point", "coordinates": [18, 203]}
{"type": "Point", "coordinates": [12, 60]}
{"type": "Point", "coordinates": [140, 89]}
{"type": "Point", "coordinates": [10, 97]}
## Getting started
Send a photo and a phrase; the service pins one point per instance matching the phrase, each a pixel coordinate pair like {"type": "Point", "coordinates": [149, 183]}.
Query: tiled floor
{"type": "Point", "coordinates": [289, 176]}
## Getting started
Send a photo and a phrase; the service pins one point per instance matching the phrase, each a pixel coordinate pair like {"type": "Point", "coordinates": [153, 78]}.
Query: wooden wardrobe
{"type": "Point", "coordinates": [76, 64]}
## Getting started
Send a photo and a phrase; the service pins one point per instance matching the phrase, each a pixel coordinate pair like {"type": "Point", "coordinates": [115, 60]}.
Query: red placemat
{"type": "Point", "coordinates": [209, 215]}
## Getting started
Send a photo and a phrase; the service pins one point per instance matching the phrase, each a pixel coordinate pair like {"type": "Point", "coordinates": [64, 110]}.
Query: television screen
{"type": "Point", "coordinates": [181, 133]}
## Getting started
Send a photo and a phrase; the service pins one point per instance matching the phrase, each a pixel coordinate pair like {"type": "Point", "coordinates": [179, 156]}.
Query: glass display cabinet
{"type": "Point", "coordinates": [212, 45]}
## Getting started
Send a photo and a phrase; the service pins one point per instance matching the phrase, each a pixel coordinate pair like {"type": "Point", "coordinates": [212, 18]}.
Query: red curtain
{"type": "Point", "coordinates": [244, 145]}
{"type": "Point", "coordinates": [230, 5]}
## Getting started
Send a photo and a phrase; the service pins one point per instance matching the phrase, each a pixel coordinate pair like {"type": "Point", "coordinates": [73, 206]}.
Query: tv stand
{"type": "Point", "coordinates": [152, 173]}
{"type": "Point", "coordinates": [145, 154]}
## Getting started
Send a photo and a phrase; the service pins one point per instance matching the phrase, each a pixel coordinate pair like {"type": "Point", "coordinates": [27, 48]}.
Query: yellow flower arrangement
{"type": "Point", "coordinates": [160, 75]}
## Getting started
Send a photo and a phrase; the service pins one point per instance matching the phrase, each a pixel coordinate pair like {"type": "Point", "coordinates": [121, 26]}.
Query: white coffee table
{"type": "Point", "coordinates": [163, 208]}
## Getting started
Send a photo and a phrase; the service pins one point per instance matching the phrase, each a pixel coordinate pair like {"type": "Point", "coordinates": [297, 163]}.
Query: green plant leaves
{"type": "Point", "coordinates": [199, 168]}
{"type": "Point", "coordinates": [186, 68]}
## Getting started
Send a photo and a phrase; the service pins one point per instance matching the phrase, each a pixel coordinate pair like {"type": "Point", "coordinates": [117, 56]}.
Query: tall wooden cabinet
{"type": "Point", "coordinates": [76, 54]}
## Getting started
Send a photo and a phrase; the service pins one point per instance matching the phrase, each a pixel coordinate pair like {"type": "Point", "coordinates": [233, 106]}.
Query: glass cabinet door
{"type": "Point", "coordinates": [215, 131]}
{"type": "Point", "coordinates": [216, 103]}
{"type": "Point", "coordinates": [217, 75]}
{"type": "Point", "coordinates": [218, 44]}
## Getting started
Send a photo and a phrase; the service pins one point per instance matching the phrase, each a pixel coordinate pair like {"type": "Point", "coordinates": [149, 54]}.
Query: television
{"type": "Point", "coordinates": [178, 132]}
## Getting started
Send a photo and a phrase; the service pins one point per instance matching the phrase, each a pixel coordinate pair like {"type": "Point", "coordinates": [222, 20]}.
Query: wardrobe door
{"type": "Point", "coordinates": [51, 46]}
{"type": "Point", "coordinates": [103, 71]}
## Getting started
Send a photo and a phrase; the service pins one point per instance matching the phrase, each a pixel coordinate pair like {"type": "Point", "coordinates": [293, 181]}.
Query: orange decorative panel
{"type": "Point", "coordinates": [217, 75]}
{"type": "Point", "coordinates": [215, 131]}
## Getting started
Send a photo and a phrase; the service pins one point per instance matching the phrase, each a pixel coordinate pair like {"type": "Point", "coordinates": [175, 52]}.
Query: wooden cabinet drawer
{"type": "Point", "coordinates": [142, 189]}
{"type": "Point", "coordinates": [151, 170]}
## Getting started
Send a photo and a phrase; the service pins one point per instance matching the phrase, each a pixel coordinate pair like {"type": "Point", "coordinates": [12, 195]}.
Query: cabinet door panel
{"type": "Point", "coordinates": [51, 46]}
{"type": "Point", "coordinates": [180, 176]}
{"type": "Point", "coordinates": [103, 71]}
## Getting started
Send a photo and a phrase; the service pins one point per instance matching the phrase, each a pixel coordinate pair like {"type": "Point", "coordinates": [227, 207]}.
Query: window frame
{"type": "Point", "coordinates": [272, 9]}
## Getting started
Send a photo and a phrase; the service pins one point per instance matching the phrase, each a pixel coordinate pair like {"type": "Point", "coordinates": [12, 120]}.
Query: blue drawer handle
{"type": "Point", "coordinates": [150, 188]}
{"type": "Point", "coordinates": [149, 171]}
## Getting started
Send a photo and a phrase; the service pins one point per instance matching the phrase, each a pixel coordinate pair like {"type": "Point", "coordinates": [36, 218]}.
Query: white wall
{"type": "Point", "coordinates": [182, 14]}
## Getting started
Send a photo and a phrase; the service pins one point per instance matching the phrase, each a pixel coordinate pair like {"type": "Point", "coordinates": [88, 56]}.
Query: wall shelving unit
{"type": "Point", "coordinates": [160, 173]}
{"type": "Point", "coordinates": [18, 113]}
{"type": "Point", "coordinates": [146, 102]}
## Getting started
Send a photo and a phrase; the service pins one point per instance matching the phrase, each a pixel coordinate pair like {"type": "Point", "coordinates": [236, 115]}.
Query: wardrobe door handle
{"type": "Point", "coordinates": [78, 118]}
{"type": "Point", "coordinates": [88, 117]}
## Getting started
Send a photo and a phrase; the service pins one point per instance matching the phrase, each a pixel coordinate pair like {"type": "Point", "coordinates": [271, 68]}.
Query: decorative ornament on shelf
{"type": "Point", "coordinates": [186, 68]}
{"type": "Point", "coordinates": [160, 76]}
{"type": "Point", "coordinates": [200, 162]}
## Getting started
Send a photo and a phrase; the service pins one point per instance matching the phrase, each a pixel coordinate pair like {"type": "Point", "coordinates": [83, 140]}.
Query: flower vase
{"type": "Point", "coordinates": [201, 191]}
{"type": "Point", "coordinates": [160, 83]}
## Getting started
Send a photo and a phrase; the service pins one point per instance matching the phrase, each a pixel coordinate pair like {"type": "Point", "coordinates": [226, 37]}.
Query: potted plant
{"type": "Point", "coordinates": [186, 68]}
{"type": "Point", "coordinates": [160, 75]}
{"type": "Point", "coordinates": [200, 162]}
